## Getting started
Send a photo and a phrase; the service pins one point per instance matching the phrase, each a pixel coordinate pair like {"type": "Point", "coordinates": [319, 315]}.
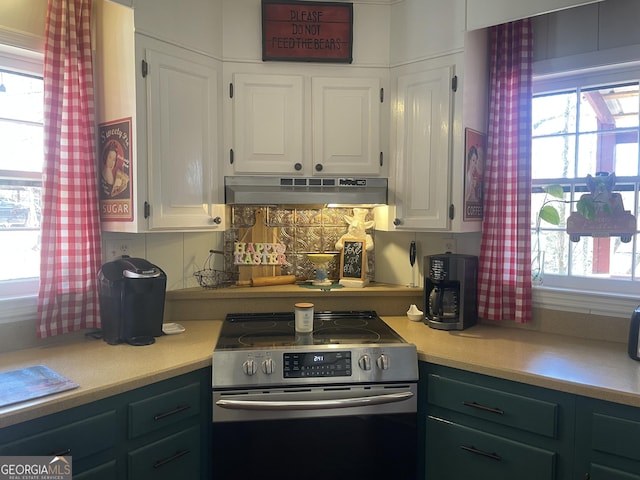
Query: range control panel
{"type": "Point", "coordinates": [316, 364]}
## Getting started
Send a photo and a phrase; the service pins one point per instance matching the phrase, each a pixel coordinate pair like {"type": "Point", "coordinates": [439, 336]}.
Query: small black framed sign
{"type": "Point", "coordinates": [353, 259]}
{"type": "Point", "coordinates": [294, 30]}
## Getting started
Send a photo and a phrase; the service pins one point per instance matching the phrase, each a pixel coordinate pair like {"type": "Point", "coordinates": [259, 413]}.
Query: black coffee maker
{"type": "Point", "coordinates": [450, 287]}
{"type": "Point", "coordinates": [132, 294]}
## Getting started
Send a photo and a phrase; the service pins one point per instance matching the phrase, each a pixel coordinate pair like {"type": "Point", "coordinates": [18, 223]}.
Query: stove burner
{"type": "Point", "coordinates": [262, 338]}
{"type": "Point", "coordinates": [257, 325]}
{"type": "Point", "coordinates": [351, 322]}
{"type": "Point", "coordinates": [345, 335]}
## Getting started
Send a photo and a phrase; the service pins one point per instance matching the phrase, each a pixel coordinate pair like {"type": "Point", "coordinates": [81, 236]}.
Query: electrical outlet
{"type": "Point", "coordinates": [449, 245]}
{"type": "Point", "coordinates": [116, 247]}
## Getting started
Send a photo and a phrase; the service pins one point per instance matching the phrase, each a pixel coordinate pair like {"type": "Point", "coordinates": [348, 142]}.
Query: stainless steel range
{"type": "Point", "coordinates": [352, 384]}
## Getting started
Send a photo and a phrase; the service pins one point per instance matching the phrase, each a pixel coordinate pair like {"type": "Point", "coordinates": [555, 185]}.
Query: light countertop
{"type": "Point", "coordinates": [103, 370]}
{"type": "Point", "coordinates": [592, 368]}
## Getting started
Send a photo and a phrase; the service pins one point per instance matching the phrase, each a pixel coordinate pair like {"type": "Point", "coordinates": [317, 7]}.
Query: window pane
{"type": "Point", "coordinates": [21, 135]}
{"type": "Point", "coordinates": [626, 156]}
{"type": "Point", "coordinates": [597, 152]}
{"type": "Point", "coordinates": [609, 107]}
{"type": "Point", "coordinates": [556, 247]}
{"type": "Point", "coordinates": [553, 157]}
{"type": "Point", "coordinates": [22, 99]}
{"type": "Point", "coordinates": [22, 146]}
{"type": "Point", "coordinates": [553, 114]}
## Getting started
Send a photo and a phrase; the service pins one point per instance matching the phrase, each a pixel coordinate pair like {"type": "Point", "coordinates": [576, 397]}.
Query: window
{"type": "Point", "coordinates": [21, 137]}
{"type": "Point", "coordinates": [585, 124]}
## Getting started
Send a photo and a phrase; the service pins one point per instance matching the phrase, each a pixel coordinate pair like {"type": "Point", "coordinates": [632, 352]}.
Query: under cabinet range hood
{"type": "Point", "coordinates": [266, 190]}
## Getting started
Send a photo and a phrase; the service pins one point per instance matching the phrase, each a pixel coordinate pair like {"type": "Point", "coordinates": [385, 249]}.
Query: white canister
{"type": "Point", "coordinates": [304, 317]}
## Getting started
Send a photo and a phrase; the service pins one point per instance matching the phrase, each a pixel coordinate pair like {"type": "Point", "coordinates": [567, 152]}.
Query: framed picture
{"type": "Point", "coordinates": [114, 164]}
{"type": "Point", "coordinates": [474, 147]}
{"type": "Point", "coordinates": [297, 31]}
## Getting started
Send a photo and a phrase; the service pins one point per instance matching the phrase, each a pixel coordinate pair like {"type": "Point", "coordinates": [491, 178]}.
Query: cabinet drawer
{"type": "Point", "coordinates": [106, 471]}
{"type": "Point", "coordinates": [455, 452]}
{"type": "Point", "coordinates": [524, 413]}
{"type": "Point", "coordinates": [617, 436]}
{"type": "Point", "coordinates": [165, 409]}
{"type": "Point", "coordinates": [175, 456]}
{"type": "Point", "coordinates": [600, 472]}
{"type": "Point", "coordinates": [78, 439]}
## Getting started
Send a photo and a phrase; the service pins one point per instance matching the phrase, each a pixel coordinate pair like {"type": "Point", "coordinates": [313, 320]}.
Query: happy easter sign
{"type": "Point", "coordinates": [249, 253]}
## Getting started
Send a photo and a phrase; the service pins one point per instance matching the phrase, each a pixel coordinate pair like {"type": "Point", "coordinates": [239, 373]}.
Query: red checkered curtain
{"type": "Point", "coordinates": [71, 252]}
{"type": "Point", "coordinates": [504, 283]}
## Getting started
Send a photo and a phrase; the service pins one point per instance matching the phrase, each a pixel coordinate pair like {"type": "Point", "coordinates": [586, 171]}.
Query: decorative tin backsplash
{"type": "Point", "coordinates": [301, 230]}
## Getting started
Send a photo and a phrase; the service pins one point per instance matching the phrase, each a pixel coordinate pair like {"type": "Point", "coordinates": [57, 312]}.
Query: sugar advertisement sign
{"type": "Point", "coordinates": [307, 31]}
{"type": "Point", "coordinates": [473, 180]}
{"type": "Point", "coordinates": [116, 190]}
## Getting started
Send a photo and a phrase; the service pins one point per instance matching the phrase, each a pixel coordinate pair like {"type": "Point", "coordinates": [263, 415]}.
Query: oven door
{"type": "Point", "coordinates": [318, 433]}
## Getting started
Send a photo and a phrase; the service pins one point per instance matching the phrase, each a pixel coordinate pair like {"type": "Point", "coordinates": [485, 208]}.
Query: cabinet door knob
{"type": "Point", "coordinates": [319, 167]}
{"type": "Point", "coordinates": [397, 221]}
{"type": "Point", "coordinates": [216, 220]}
{"type": "Point", "coordinates": [298, 166]}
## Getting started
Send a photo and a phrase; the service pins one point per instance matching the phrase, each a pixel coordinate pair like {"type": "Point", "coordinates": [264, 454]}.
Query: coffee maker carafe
{"type": "Point", "coordinates": [450, 297]}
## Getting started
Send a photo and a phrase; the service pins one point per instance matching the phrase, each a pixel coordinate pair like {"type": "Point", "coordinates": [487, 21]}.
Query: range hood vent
{"type": "Point", "coordinates": [265, 190]}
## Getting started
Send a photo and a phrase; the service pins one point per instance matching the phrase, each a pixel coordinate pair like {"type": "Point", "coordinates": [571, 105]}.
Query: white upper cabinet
{"type": "Point", "coordinates": [171, 96]}
{"type": "Point", "coordinates": [268, 113]}
{"type": "Point", "coordinates": [305, 125]}
{"type": "Point", "coordinates": [437, 93]}
{"type": "Point", "coordinates": [423, 132]}
{"type": "Point", "coordinates": [182, 97]}
{"type": "Point", "coordinates": [346, 126]}
{"type": "Point", "coordinates": [485, 13]}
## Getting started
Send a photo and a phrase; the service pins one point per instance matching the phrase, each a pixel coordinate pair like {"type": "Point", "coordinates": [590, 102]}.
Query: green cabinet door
{"type": "Point", "coordinates": [455, 452]}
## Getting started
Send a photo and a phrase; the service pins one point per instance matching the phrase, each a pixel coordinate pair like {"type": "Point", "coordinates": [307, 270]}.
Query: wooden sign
{"type": "Point", "coordinates": [307, 31]}
{"type": "Point", "coordinates": [353, 259]}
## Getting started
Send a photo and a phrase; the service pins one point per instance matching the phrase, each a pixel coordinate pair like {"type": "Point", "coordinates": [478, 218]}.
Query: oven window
{"type": "Point", "coordinates": [369, 446]}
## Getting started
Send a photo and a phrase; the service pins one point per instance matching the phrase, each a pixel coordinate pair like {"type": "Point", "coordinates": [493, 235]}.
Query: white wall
{"type": "Point", "coordinates": [242, 32]}
{"type": "Point", "coordinates": [22, 23]}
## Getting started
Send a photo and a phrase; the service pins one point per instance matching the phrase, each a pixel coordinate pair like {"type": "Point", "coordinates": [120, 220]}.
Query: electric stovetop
{"type": "Point", "coordinates": [265, 330]}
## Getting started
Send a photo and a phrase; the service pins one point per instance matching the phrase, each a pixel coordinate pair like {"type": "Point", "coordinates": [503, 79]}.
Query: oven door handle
{"type": "Point", "coordinates": [314, 404]}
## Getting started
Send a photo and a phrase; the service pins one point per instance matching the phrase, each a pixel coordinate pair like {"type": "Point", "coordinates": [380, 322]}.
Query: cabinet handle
{"type": "Point", "coordinates": [475, 451]}
{"type": "Point", "coordinates": [215, 220]}
{"type": "Point", "coordinates": [397, 222]}
{"type": "Point", "coordinates": [319, 167]}
{"type": "Point", "coordinates": [160, 416]}
{"type": "Point", "coordinates": [497, 411]}
{"type": "Point", "coordinates": [298, 166]}
{"type": "Point", "coordinates": [587, 476]}
{"type": "Point", "coordinates": [175, 456]}
{"type": "Point", "coordinates": [60, 453]}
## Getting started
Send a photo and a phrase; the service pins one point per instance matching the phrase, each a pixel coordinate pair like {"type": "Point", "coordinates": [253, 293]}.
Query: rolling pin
{"type": "Point", "coordinates": [266, 281]}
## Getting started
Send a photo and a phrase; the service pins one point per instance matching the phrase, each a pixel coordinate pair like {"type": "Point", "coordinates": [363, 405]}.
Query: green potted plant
{"type": "Point", "coordinates": [549, 214]}
{"type": "Point", "coordinates": [588, 207]}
